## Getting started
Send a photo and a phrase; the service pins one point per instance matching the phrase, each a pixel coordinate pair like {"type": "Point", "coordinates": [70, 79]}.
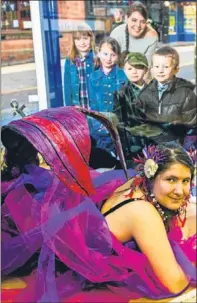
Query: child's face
{"type": "Point", "coordinates": [107, 56]}
{"type": "Point", "coordinates": [163, 68]}
{"type": "Point", "coordinates": [134, 73]}
{"type": "Point", "coordinates": [82, 43]}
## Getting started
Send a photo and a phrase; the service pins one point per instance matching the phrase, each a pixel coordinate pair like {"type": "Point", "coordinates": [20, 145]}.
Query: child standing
{"type": "Point", "coordinates": [168, 100]}
{"type": "Point", "coordinates": [103, 82]}
{"type": "Point", "coordinates": [135, 67]}
{"type": "Point", "coordinates": [78, 67]}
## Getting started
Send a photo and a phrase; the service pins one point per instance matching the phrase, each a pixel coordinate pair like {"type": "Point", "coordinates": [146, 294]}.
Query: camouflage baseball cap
{"type": "Point", "coordinates": [137, 59]}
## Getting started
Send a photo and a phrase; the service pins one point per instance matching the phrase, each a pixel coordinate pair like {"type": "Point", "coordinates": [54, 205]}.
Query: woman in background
{"type": "Point", "coordinates": [135, 35]}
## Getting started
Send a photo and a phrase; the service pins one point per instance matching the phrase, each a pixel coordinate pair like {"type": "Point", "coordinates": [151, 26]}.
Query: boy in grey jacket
{"type": "Point", "coordinates": [168, 101]}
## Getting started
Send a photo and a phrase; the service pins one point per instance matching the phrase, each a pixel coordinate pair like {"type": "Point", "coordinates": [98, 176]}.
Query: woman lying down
{"type": "Point", "coordinates": [73, 230]}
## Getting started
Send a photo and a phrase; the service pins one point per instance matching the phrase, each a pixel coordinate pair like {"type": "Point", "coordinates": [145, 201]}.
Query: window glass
{"type": "Point", "coordinates": [18, 71]}
{"type": "Point", "coordinates": [9, 15]}
{"type": "Point", "coordinates": [189, 13]}
{"type": "Point", "coordinates": [172, 19]}
{"type": "Point", "coordinates": [101, 16]}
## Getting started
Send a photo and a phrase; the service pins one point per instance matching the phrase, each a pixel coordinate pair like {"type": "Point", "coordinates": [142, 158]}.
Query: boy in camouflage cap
{"type": "Point", "coordinates": [135, 67]}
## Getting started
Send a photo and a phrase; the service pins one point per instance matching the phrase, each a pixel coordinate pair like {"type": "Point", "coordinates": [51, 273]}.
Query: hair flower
{"type": "Point", "coordinates": [150, 168]}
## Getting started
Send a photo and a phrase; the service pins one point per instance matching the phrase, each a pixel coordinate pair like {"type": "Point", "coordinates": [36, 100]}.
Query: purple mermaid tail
{"type": "Point", "coordinates": [61, 217]}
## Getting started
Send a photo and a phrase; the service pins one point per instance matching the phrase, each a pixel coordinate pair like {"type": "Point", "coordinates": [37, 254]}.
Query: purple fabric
{"type": "Point", "coordinates": [71, 226]}
{"type": "Point", "coordinates": [62, 138]}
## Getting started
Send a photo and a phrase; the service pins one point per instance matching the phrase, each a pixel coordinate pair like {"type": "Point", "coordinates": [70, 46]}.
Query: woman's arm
{"type": "Point", "coordinates": [150, 234]}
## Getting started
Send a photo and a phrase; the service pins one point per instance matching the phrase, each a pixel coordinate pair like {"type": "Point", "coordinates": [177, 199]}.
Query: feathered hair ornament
{"type": "Point", "coordinates": [147, 167]}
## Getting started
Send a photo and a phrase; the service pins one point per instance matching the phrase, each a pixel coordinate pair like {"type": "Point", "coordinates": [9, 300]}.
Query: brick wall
{"type": "Point", "coordinates": [21, 50]}
{"type": "Point", "coordinates": [71, 9]}
{"type": "Point", "coordinates": [17, 51]}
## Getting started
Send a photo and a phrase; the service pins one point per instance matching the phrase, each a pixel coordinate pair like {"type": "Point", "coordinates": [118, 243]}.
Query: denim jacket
{"type": "Point", "coordinates": [71, 80]}
{"type": "Point", "coordinates": [101, 94]}
{"type": "Point", "coordinates": [102, 88]}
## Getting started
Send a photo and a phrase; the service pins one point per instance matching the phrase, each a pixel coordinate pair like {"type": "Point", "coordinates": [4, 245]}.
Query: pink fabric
{"type": "Point", "coordinates": [188, 246]}
{"type": "Point", "coordinates": [71, 226]}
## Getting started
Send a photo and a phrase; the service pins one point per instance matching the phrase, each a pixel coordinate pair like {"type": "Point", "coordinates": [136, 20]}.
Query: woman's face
{"type": "Point", "coordinates": [136, 25]}
{"type": "Point", "coordinates": [107, 56]}
{"type": "Point", "coordinates": [172, 186]}
{"type": "Point", "coordinates": [82, 43]}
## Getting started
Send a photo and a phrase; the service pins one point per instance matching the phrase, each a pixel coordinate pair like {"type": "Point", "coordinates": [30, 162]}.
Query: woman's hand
{"type": "Point", "coordinates": [151, 32]}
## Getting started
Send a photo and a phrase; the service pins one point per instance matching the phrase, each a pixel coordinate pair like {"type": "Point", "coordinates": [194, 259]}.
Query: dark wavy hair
{"type": "Point", "coordinates": [18, 153]}
{"type": "Point", "coordinates": [135, 7]}
{"type": "Point", "coordinates": [174, 153]}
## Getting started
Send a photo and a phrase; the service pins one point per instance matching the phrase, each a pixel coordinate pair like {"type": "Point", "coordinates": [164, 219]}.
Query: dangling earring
{"type": "Point", "coordinates": [183, 211]}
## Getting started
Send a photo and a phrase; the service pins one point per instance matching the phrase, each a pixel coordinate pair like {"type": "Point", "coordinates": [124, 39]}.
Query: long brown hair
{"type": "Point", "coordinates": [81, 31]}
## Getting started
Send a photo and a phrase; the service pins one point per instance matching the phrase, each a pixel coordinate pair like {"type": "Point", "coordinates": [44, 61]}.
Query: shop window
{"type": "Point", "coordinates": [172, 19]}
{"type": "Point", "coordinates": [91, 5]}
{"type": "Point", "coordinates": [15, 15]}
{"type": "Point", "coordinates": [189, 15]}
{"type": "Point", "coordinates": [25, 10]}
{"type": "Point", "coordinates": [9, 15]}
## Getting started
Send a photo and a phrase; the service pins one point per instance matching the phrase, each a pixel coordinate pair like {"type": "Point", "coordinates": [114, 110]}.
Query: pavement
{"type": "Point", "coordinates": [178, 43]}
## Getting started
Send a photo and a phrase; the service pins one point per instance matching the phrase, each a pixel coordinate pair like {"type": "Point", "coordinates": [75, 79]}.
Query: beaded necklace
{"type": "Point", "coordinates": [167, 214]}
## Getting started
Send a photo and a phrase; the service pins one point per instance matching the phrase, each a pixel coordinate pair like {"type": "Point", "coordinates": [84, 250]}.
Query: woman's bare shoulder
{"type": "Point", "coordinates": [144, 211]}
{"type": "Point", "coordinates": [142, 204]}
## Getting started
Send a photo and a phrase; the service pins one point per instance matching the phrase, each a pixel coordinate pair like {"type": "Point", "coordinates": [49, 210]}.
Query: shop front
{"type": "Point", "coordinates": [182, 21]}
{"type": "Point", "coordinates": [15, 16]}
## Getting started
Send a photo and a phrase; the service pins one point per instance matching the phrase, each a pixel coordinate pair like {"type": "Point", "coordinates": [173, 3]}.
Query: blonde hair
{"type": "Point", "coordinates": [168, 51]}
{"type": "Point", "coordinates": [84, 31]}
